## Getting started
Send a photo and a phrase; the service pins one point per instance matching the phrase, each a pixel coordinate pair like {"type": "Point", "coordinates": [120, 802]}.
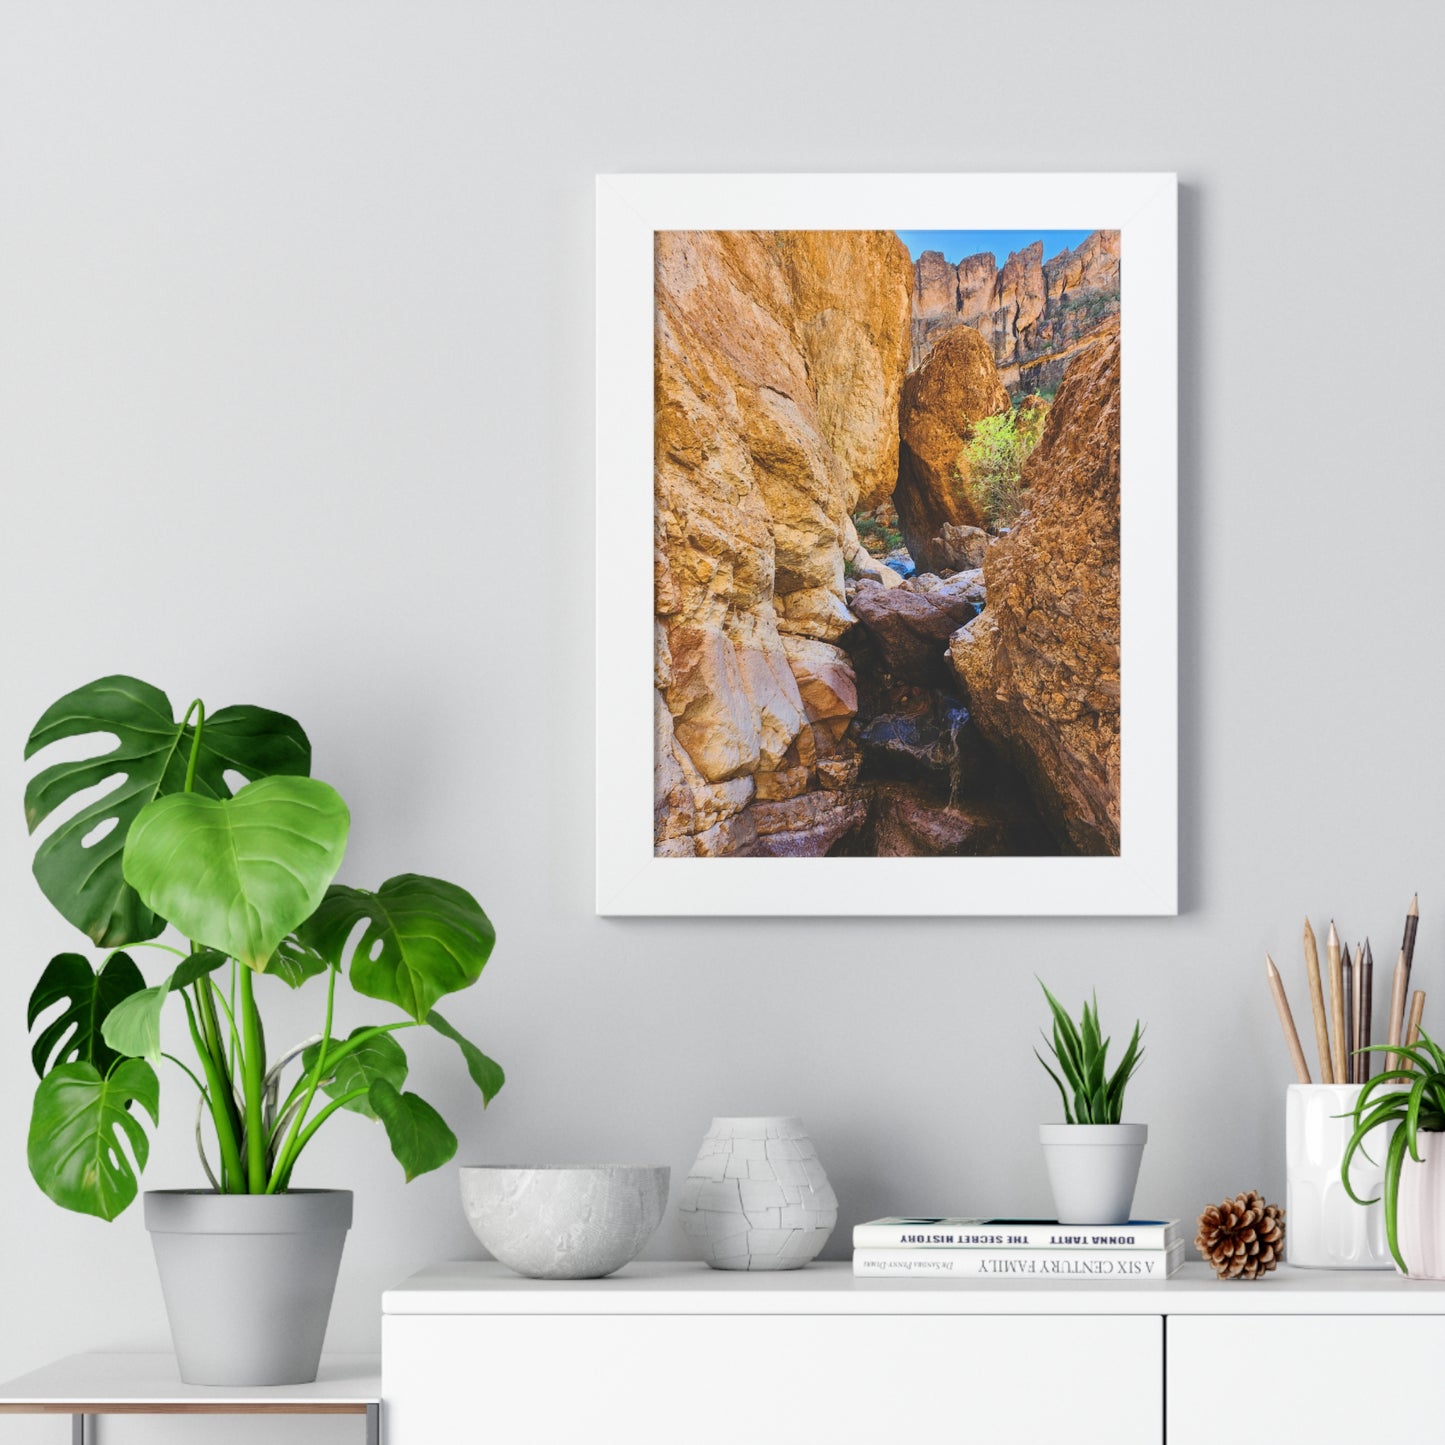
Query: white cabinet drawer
{"type": "Point", "coordinates": [1268, 1379]}
{"type": "Point", "coordinates": [726, 1380]}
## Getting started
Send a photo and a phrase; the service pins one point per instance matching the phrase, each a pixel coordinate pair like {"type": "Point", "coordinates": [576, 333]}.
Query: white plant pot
{"type": "Point", "coordinates": [1093, 1169]}
{"type": "Point", "coordinates": [1324, 1227]}
{"type": "Point", "coordinates": [1420, 1220]}
{"type": "Point", "coordinates": [757, 1196]}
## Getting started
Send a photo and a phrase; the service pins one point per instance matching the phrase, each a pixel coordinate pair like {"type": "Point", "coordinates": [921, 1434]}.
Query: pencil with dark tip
{"type": "Point", "coordinates": [1407, 944]}
{"type": "Point", "coordinates": [1367, 1009]}
{"type": "Point", "coordinates": [1357, 1039]}
{"type": "Point", "coordinates": [1347, 991]}
{"type": "Point", "coordinates": [1317, 1003]}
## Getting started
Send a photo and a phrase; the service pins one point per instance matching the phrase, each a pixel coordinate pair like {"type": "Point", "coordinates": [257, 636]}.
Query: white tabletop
{"type": "Point", "coordinates": [652, 1287]}
{"type": "Point", "coordinates": [88, 1384]}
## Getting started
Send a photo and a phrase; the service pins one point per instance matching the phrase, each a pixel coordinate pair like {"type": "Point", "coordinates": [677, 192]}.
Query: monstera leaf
{"type": "Point", "coordinates": [418, 1135]}
{"type": "Point", "coordinates": [152, 750]}
{"type": "Point", "coordinates": [294, 962]}
{"type": "Point", "coordinates": [75, 1036]}
{"type": "Point", "coordinates": [486, 1073]}
{"type": "Point", "coordinates": [80, 1124]}
{"type": "Point", "coordinates": [380, 1057]}
{"type": "Point", "coordinates": [423, 938]}
{"type": "Point", "coordinates": [133, 1027]}
{"type": "Point", "coordinates": [238, 874]}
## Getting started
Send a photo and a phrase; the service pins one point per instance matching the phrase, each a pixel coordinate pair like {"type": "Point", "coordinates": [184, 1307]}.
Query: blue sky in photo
{"type": "Point", "coordinates": [955, 245]}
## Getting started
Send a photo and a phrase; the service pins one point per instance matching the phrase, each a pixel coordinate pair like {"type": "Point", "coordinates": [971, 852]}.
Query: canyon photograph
{"type": "Point", "coordinates": [886, 544]}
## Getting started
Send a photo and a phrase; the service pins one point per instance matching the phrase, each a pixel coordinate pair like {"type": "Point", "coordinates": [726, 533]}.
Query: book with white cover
{"type": "Point", "coordinates": [903, 1232]}
{"type": "Point", "coordinates": [1093, 1264]}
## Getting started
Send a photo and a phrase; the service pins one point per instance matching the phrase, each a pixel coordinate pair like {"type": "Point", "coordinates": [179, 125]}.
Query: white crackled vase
{"type": "Point", "coordinates": [757, 1197]}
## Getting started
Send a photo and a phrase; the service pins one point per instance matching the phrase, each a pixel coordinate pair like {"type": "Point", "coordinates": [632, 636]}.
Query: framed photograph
{"type": "Point", "coordinates": [886, 525]}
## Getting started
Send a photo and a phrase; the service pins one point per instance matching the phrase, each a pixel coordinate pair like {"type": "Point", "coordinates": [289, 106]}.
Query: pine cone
{"type": "Point", "coordinates": [1242, 1237]}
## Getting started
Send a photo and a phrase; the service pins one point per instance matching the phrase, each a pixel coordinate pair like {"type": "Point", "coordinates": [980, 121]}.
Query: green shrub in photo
{"type": "Point", "coordinates": [990, 467]}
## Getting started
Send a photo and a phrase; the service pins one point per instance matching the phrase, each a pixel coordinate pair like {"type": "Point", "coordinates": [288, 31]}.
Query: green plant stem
{"type": "Point", "coordinates": [282, 1172]}
{"type": "Point", "coordinates": [198, 708]}
{"type": "Point", "coordinates": [253, 1079]}
{"type": "Point", "coordinates": [235, 1042]}
{"type": "Point", "coordinates": [230, 1012]}
{"type": "Point", "coordinates": [190, 1075]}
{"type": "Point", "coordinates": [306, 1136]}
{"type": "Point", "coordinates": [232, 1173]}
{"type": "Point", "coordinates": [317, 1073]}
{"type": "Point", "coordinates": [164, 947]}
{"type": "Point", "coordinates": [297, 1089]}
{"type": "Point", "coordinates": [211, 1032]}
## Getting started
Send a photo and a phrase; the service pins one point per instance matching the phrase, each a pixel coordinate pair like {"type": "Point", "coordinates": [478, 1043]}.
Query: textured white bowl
{"type": "Point", "coordinates": [560, 1222]}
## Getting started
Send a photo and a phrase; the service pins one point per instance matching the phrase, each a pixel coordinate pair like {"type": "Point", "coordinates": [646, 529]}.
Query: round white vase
{"type": "Point", "coordinates": [1093, 1169]}
{"type": "Point", "coordinates": [1420, 1219]}
{"type": "Point", "coordinates": [757, 1197]}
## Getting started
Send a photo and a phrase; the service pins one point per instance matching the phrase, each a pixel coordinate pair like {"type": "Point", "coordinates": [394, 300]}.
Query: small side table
{"type": "Point", "coordinates": [83, 1386]}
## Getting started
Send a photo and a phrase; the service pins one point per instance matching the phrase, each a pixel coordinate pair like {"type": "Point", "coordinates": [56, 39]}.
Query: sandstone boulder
{"type": "Point", "coordinates": [850, 301]}
{"type": "Point", "coordinates": [808, 826]}
{"type": "Point", "coordinates": [779, 361]}
{"type": "Point", "coordinates": [1040, 665]}
{"type": "Point", "coordinates": [959, 546]}
{"type": "Point", "coordinates": [909, 821]}
{"type": "Point", "coordinates": [957, 386]}
{"type": "Point", "coordinates": [826, 683]}
{"type": "Point", "coordinates": [912, 629]}
{"type": "Point", "coordinates": [684, 802]}
{"type": "Point", "coordinates": [860, 563]}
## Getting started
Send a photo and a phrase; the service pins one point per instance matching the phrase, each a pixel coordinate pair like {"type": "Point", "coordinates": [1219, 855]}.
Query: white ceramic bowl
{"type": "Point", "coordinates": [560, 1222]}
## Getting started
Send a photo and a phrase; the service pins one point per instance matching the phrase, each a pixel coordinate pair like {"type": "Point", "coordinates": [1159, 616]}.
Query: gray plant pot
{"type": "Point", "coordinates": [248, 1280]}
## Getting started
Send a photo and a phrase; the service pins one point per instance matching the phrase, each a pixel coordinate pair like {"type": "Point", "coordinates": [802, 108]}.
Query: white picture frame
{"type": "Point", "coordinates": [1142, 878]}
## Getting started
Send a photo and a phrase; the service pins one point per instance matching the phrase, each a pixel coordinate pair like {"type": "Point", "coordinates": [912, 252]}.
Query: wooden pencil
{"type": "Point", "coordinates": [1286, 1021]}
{"type": "Point", "coordinates": [1417, 1010]}
{"type": "Point", "coordinates": [1367, 1011]}
{"type": "Point", "coordinates": [1337, 1004]}
{"type": "Point", "coordinates": [1397, 1012]}
{"type": "Point", "coordinates": [1407, 943]}
{"type": "Point", "coordinates": [1317, 1003]}
{"type": "Point", "coordinates": [1347, 992]}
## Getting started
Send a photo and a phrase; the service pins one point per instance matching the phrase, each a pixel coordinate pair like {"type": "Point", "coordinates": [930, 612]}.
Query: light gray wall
{"type": "Point", "coordinates": [295, 408]}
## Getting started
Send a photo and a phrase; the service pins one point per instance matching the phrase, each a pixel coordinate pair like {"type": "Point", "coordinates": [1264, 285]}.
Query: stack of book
{"type": "Point", "coordinates": [1016, 1249]}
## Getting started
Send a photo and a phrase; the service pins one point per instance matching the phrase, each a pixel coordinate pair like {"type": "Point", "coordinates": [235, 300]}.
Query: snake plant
{"type": "Point", "coordinates": [1081, 1052]}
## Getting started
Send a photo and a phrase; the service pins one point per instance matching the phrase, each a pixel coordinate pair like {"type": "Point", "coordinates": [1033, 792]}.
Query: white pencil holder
{"type": "Point", "coordinates": [1324, 1227]}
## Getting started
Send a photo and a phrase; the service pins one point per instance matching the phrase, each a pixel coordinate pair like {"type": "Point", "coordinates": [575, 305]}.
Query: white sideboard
{"type": "Point", "coordinates": [668, 1353]}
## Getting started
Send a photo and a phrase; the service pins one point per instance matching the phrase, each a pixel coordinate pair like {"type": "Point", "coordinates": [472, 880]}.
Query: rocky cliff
{"type": "Point", "coordinates": [1040, 664]}
{"type": "Point", "coordinates": [957, 385]}
{"type": "Point", "coordinates": [779, 360]}
{"type": "Point", "coordinates": [1036, 315]}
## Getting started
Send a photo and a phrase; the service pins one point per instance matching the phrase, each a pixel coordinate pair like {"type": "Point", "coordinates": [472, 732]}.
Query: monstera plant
{"type": "Point", "coordinates": [212, 825]}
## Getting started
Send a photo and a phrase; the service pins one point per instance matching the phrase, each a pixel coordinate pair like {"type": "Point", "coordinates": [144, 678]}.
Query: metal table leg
{"type": "Point", "coordinates": [79, 1434]}
{"type": "Point", "coordinates": [373, 1425]}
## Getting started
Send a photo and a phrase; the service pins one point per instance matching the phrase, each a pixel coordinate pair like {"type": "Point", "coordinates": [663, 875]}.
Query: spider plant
{"type": "Point", "coordinates": [1418, 1109]}
{"type": "Point", "coordinates": [1081, 1052]}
